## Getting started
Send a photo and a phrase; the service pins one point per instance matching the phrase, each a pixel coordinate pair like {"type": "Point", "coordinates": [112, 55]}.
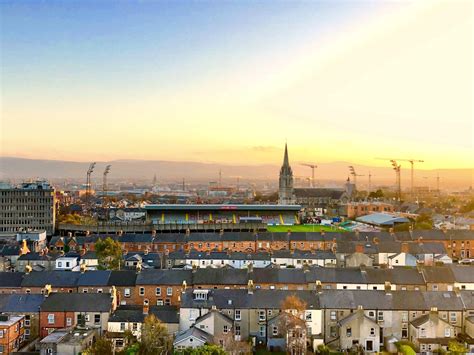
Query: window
{"type": "Point", "coordinates": [309, 316]}
{"type": "Point", "coordinates": [435, 287]}
{"type": "Point", "coordinates": [1, 333]}
{"type": "Point", "coordinates": [422, 333]}
{"type": "Point", "coordinates": [262, 331]}
{"type": "Point", "coordinates": [169, 291]}
{"type": "Point", "coordinates": [333, 331]}
{"type": "Point", "coordinates": [371, 314]}
{"type": "Point", "coordinates": [404, 316]}
{"type": "Point", "coordinates": [372, 332]}
{"type": "Point", "coordinates": [275, 330]}
{"type": "Point", "coordinates": [158, 291]}
{"type": "Point", "coordinates": [348, 332]}
{"type": "Point", "coordinates": [453, 317]}
{"type": "Point", "coordinates": [404, 333]}
{"type": "Point", "coordinates": [237, 330]}
{"type": "Point", "coordinates": [135, 327]}
{"type": "Point", "coordinates": [119, 343]}
{"type": "Point", "coordinates": [68, 322]}
{"type": "Point", "coordinates": [159, 303]}
{"type": "Point", "coordinates": [238, 315]}
{"type": "Point", "coordinates": [50, 318]}
{"type": "Point", "coordinates": [122, 327]}
{"type": "Point", "coordinates": [27, 320]}
{"type": "Point", "coordinates": [142, 291]}
{"type": "Point", "coordinates": [261, 315]}
{"type": "Point", "coordinates": [447, 332]}
{"type": "Point", "coordinates": [60, 264]}
{"type": "Point", "coordinates": [27, 333]}
{"type": "Point", "coordinates": [226, 329]}
{"type": "Point", "coordinates": [99, 290]}
{"type": "Point", "coordinates": [127, 292]}
{"type": "Point", "coordinates": [167, 302]}
{"type": "Point", "coordinates": [380, 316]}
{"type": "Point", "coordinates": [97, 318]}
{"type": "Point", "coordinates": [333, 315]}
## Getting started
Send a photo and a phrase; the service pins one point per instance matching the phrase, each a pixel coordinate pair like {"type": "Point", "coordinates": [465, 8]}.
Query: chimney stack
{"type": "Point", "coordinates": [388, 287]}
{"type": "Point", "coordinates": [146, 306]}
{"type": "Point", "coordinates": [405, 248]}
{"type": "Point", "coordinates": [359, 248]}
{"type": "Point", "coordinates": [250, 287]}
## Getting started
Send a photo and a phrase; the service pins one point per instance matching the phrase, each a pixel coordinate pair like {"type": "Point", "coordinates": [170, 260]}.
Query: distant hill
{"type": "Point", "coordinates": [20, 168]}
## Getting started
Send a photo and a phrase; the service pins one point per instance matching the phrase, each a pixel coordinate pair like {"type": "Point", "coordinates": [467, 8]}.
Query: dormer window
{"type": "Point", "coordinates": [200, 294]}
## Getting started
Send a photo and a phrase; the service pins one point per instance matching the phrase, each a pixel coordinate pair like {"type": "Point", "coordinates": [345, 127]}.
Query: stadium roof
{"type": "Point", "coordinates": [222, 207]}
{"type": "Point", "coordinates": [382, 219]}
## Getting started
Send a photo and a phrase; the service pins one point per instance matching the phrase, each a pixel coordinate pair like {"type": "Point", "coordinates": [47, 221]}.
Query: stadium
{"type": "Point", "coordinates": [217, 214]}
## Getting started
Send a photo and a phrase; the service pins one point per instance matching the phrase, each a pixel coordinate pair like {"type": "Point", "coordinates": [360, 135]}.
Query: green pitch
{"type": "Point", "coordinates": [304, 228]}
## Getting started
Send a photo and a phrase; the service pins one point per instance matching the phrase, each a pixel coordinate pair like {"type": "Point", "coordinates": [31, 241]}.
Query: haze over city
{"type": "Point", "coordinates": [231, 82]}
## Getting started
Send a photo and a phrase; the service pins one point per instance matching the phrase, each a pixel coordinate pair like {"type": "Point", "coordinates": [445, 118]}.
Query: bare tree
{"type": "Point", "coordinates": [233, 346]}
{"type": "Point", "coordinates": [292, 324]}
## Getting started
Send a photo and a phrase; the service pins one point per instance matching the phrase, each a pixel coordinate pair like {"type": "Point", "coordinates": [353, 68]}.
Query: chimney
{"type": "Point", "coordinates": [88, 233]}
{"type": "Point", "coordinates": [357, 233]}
{"type": "Point", "coordinates": [83, 268]}
{"type": "Point", "coordinates": [153, 233]}
{"type": "Point", "coordinates": [195, 267]}
{"type": "Point", "coordinates": [69, 234]}
{"type": "Point", "coordinates": [360, 308]}
{"type": "Point", "coordinates": [391, 231]}
{"type": "Point", "coordinates": [457, 291]}
{"type": "Point", "coordinates": [359, 248]}
{"type": "Point", "coordinates": [319, 286]}
{"type": "Point", "coordinates": [47, 290]}
{"type": "Point", "coordinates": [388, 287]}
{"type": "Point", "coordinates": [184, 286]}
{"type": "Point", "coordinates": [82, 252]}
{"type": "Point", "coordinates": [28, 269]}
{"type": "Point", "coordinates": [146, 306]}
{"type": "Point", "coordinates": [120, 233]}
{"type": "Point", "coordinates": [250, 287]}
{"type": "Point", "coordinates": [363, 268]}
{"type": "Point", "coordinates": [306, 267]}
{"type": "Point", "coordinates": [420, 240]}
{"type": "Point", "coordinates": [250, 268]}
{"type": "Point", "coordinates": [323, 233]}
{"type": "Point", "coordinates": [221, 232]}
{"type": "Point", "coordinates": [405, 248]}
{"type": "Point", "coordinates": [146, 251]}
{"type": "Point", "coordinates": [188, 232]}
{"type": "Point", "coordinates": [434, 310]}
{"type": "Point", "coordinates": [376, 241]}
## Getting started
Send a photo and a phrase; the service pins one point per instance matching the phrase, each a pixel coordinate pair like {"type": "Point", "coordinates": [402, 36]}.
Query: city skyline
{"type": "Point", "coordinates": [212, 82]}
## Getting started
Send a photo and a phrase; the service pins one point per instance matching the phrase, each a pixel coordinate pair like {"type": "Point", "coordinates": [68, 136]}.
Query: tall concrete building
{"type": "Point", "coordinates": [28, 206]}
{"type": "Point", "coordinates": [285, 194]}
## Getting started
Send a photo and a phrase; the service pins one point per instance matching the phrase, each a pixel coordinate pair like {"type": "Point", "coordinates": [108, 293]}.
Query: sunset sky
{"type": "Point", "coordinates": [214, 81]}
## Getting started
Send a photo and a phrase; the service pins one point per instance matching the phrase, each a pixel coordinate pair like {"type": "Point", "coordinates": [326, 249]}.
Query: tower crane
{"type": "Point", "coordinates": [104, 185]}
{"type": "Point", "coordinates": [412, 165]}
{"type": "Point", "coordinates": [312, 166]}
{"type": "Point", "coordinates": [354, 175]}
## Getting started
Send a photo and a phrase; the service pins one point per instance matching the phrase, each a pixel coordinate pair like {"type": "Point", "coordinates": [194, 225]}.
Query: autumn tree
{"type": "Point", "coordinates": [109, 253]}
{"type": "Point", "coordinates": [102, 346]}
{"type": "Point", "coordinates": [292, 324]}
{"type": "Point", "coordinates": [233, 346]}
{"type": "Point", "coordinates": [155, 338]}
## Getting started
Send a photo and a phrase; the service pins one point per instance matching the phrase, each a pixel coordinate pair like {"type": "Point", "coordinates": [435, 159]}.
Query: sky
{"type": "Point", "coordinates": [232, 81]}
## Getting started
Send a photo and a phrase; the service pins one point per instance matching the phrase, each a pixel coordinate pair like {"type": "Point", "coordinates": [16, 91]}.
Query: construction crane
{"type": "Point", "coordinates": [354, 175]}
{"type": "Point", "coordinates": [370, 183]}
{"type": "Point", "coordinates": [104, 186]}
{"type": "Point", "coordinates": [312, 166]}
{"type": "Point", "coordinates": [88, 184]}
{"type": "Point", "coordinates": [398, 180]}
{"type": "Point", "coordinates": [412, 163]}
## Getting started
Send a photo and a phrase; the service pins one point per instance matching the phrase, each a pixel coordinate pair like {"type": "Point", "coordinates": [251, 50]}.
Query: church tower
{"type": "Point", "coordinates": [286, 182]}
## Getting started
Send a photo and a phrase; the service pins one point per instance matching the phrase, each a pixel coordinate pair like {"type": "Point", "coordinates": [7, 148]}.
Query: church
{"type": "Point", "coordinates": [325, 200]}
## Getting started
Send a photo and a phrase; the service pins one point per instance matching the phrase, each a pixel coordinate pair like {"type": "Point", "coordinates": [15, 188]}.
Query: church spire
{"type": "Point", "coordinates": [286, 161]}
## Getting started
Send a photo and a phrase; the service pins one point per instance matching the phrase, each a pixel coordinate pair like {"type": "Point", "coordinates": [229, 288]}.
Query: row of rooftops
{"type": "Point", "coordinates": [449, 274]}
{"type": "Point", "coordinates": [333, 299]}
{"type": "Point", "coordinates": [381, 237]}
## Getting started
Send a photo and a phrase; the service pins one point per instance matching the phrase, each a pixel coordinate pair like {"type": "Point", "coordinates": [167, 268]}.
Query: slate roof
{"type": "Point", "coordinates": [382, 219]}
{"type": "Point", "coordinates": [77, 302]}
{"type": "Point", "coordinates": [11, 279]}
{"type": "Point", "coordinates": [462, 273]}
{"type": "Point", "coordinates": [122, 278]}
{"type": "Point", "coordinates": [17, 303]}
{"type": "Point", "coordinates": [134, 313]}
{"type": "Point", "coordinates": [164, 277]}
{"type": "Point", "coordinates": [193, 332]}
{"type": "Point", "coordinates": [220, 276]}
{"type": "Point", "coordinates": [94, 278]}
{"type": "Point", "coordinates": [53, 278]}
{"type": "Point", "coordinates": [240, 298]}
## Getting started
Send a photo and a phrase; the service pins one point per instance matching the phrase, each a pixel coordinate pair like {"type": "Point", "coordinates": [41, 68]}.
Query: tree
{"type": "Point", "coordinates": [208, 349]}
{"type": "Point", "coordinates": [109, 253]}
{"type": "Point", "coordinates": [376, 194]}
{"type": "Point", "coordinates": [232, 346]}
{"type": "Point", "coordinates": [101, 346]}
{"type": "Point", "coordinates": [456, 347]}
{"type": "Point", "coordinates": [155, 338]}
{"type": "Point", "coordinates": [292, 323]}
